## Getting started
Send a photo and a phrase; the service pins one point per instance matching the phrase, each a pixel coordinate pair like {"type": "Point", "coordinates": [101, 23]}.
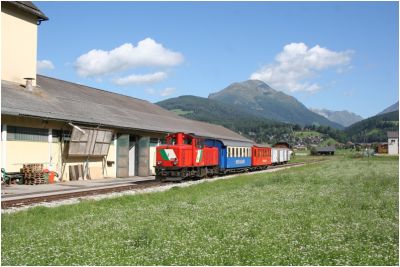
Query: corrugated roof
{"type": "Point", "coordinates": [393, 134]}
{"type": "Point", "coordinates": [29, 7]}
{"type": "Point", "coordinates": [66, 101]}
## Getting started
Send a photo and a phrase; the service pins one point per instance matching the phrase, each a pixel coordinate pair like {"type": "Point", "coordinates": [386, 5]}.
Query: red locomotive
{"type": "Point", "coordinates": [261, 157]}
{"type": "Point", "coordinates": [185, 156]}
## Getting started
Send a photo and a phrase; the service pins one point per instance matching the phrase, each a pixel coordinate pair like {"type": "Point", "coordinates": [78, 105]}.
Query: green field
{"type": "Point", "coordinates": [343, 211]}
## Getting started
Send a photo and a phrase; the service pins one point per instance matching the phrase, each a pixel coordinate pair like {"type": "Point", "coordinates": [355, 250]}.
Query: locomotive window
{"type": "Point", "coordinates": [187, 141]}
{"type": "Point", "coordinates": [200, 143]}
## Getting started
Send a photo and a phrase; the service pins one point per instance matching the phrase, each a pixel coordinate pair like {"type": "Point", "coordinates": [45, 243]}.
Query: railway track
{"type": "Point", "coordinates": [13, 203]}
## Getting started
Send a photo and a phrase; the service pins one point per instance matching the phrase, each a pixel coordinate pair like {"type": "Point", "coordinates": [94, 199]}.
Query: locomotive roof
{"type": "Point", "coordinates": [65, 101]}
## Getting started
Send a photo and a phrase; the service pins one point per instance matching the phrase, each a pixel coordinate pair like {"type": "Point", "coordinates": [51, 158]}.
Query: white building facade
{"type": "Point", "coordinates": [393, 143]}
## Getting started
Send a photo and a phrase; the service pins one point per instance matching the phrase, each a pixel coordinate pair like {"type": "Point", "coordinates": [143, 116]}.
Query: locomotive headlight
{"type": "Point", "coordinates": [175, 161]}
{"type": "Point", "coordinates": [159, 162]}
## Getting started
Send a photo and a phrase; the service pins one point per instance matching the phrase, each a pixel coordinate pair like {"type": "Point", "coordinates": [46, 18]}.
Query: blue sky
{"type": "Point", "coordinates": [334, 55]}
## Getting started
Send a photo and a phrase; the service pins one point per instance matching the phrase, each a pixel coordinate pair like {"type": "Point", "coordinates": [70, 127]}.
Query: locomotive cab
{"type": "Point", "coordinates": [184, 156]}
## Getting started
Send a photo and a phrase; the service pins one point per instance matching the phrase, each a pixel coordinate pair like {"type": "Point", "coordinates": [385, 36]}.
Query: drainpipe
{"type": "Point", "coordinates": [50, 141]}
{"type": "Point", "coordinates": [4, 146]}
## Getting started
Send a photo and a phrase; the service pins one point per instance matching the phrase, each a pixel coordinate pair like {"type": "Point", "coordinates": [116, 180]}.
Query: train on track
{"type": "Point", "coordinates": [187, 156]}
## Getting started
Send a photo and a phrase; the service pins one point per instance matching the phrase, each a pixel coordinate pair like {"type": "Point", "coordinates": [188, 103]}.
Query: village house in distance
{"type": "Point", "coordinates": [393, 143]}
{"type": "Point", "coordinates": [67, 126]}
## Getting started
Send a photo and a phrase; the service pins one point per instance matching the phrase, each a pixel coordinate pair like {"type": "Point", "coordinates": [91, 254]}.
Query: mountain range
{"type": "Point", "coordinates": [255, 110]}
{"type": "Point", "coordinates": [260, 99]}
{"type": "Point", "coordinates": [235, 118]}
{"type": "Point", "coordinates": [343, 117]}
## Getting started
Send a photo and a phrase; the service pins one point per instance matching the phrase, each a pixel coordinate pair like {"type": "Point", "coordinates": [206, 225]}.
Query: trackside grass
{"type": "Point", "coordinates": [343, 211]}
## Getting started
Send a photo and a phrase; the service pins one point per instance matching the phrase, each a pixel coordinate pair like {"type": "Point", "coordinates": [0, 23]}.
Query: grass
{"type": "Point", "coordinates": [343, 211]}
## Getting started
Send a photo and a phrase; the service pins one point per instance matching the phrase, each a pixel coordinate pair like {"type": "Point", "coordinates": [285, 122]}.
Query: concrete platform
{"type": "Point", "coordinates": [14, 191]}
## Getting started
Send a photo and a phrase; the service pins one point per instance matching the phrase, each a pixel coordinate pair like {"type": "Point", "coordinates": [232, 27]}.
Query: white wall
{"type": "Point", "coordinates": [393, 146]}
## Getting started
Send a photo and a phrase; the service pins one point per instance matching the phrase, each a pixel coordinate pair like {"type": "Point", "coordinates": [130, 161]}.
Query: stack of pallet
{"type": "Point", "coordinates": [33, 174]}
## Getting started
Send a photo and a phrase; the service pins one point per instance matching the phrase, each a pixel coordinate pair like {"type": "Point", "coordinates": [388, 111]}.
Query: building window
{"type": "Point", "coordinates": [15, 133]}
{"type": "Point", "coordinates": [27, 134]}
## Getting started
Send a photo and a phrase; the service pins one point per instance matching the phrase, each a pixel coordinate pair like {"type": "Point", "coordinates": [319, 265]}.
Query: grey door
{"type": "Point", "coordinates": [123, 155]}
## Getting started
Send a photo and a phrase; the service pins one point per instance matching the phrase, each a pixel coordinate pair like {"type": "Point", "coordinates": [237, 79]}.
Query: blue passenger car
{"type": "Point", "coordinates": [234, 156]}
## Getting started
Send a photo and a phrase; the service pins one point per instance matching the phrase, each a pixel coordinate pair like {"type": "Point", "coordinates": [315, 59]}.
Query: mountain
{"type": "Point", "coordinates": [259, 99]}
{"type": "Point", "coordinates": [393, 107]}
{"type": "Point", "coordinates": [374, 129]}
{"type": "Point", "coordinates": [235, 118]}
{"type": "Point", "coordinates": [343, 117]}
{"type": "Point", "coordinates": [208, 110]}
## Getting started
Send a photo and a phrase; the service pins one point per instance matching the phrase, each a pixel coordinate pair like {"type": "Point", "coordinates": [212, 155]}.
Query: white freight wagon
{"type": "Point", "coordinates": [275, 155]}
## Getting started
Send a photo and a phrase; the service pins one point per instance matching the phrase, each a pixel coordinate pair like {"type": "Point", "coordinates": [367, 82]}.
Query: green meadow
{"type": "Point", "coordinates": [342, 211]}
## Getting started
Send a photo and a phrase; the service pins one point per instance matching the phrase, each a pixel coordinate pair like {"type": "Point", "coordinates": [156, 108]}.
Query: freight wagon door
{"type": "Point", "coordinates": [123, 155]}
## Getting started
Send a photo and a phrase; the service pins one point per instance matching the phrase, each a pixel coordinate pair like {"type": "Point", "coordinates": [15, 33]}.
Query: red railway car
{"type": "Point", "coordinates": [260, 157]}
{"type": "Point", "coordinates": [185, 156]}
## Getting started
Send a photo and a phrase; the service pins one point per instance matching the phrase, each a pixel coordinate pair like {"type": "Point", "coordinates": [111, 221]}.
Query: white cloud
{"type": "Point", "coordinates": [297, 63]}
{"type": "Point", "coordinates": [141, 79]}
{"type": "Point", "coordinates": [44, 64]}
{"type": "Point", "coordinates": [147, 53]}
{"type": "Point", "coordinates": [167, 91]}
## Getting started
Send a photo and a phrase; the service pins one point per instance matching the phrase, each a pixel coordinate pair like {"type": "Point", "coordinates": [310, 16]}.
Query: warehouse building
{"type": "Point", "coordinates": [75, 130]}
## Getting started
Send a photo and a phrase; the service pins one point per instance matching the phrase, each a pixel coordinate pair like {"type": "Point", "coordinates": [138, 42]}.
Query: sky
{"type": "Point", "coordinates": [333, 55]}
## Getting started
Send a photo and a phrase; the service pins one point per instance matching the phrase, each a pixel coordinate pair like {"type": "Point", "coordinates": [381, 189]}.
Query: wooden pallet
{"type": "Point", "coordinates": [32, 168]}
{"type": "Point", "coordinates": [33, 174]}
{"type": "Point", "coordinates": [35, 181]}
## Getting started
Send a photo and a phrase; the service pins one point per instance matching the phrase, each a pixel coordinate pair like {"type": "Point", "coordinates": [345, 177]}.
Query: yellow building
{"type": "Point", "coordinates": [75, 130]}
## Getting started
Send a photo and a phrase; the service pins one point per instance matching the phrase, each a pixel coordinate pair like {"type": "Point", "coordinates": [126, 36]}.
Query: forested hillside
{"type": "Point", "coordinates": [374, 129]}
